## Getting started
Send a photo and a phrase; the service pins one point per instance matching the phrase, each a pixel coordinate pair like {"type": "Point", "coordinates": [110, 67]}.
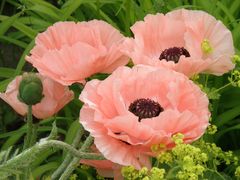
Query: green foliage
{"type": "Point", "coordinates": [21, 21]}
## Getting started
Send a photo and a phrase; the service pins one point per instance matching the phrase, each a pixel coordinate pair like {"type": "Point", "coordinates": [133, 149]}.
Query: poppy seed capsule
{"type": "Point", "coordinates": [30, 89]}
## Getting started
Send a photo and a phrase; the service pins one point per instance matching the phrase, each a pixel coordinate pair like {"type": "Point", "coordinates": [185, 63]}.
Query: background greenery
{"type": "Point", "coordinates": [22, 20]}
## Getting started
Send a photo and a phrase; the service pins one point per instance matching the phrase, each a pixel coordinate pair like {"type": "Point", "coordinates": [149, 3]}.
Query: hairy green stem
{"type": "Point", "coordinates": [29, 128]}
{"type": "Point", "coordinates": [68, 157]}
{"type": "Point", "coordinates": [24, 159]}
{"type": "Point", "coordinates": [76, 160]}
{"type": "Point", "coordinates": [28, 137]}
{"type": "Point", "coordinates": [33, 139]}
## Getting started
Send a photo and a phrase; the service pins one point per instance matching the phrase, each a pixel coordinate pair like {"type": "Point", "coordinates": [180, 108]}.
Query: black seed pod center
{"type": "Point", "coordinates": [174, 53]}
{"type": "Point", "coordinates": [145, 108]}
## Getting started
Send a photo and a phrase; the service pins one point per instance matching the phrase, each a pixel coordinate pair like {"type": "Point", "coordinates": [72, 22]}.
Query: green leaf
{"type": "Point", "coordinates": [222, 132]}
{"type": "Point", "coordinates": [45, 11]}
{"type": "Point", "coordinates": [41, 170]}
{"type": "Point", "coordinates": [6, 72]}
{"type": "Point", "coordinates": [7, 23]}
{"type": "Point", "coordinates": [31, 33]}
{"type": "Point", "coordinates": [11, 141]}
{"type": "Point", "coordinates": [22, 61]}
{"type": "Point", "coordinates": [69, 7]}
{"type": "Point", "coordinates": [54, 131]}
{"type": "Point", "coordinates": [14, 41]}
{"type": "Point", "coordinates": [4, 83]}
{"type": "Point", "coordinates": [227, 116]}
{"type": "Point", "coordinates": [71, 133]}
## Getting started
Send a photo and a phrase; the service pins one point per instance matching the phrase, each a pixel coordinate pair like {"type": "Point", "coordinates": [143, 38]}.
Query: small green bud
{"type": "Point", "coordinates": [30, 90]}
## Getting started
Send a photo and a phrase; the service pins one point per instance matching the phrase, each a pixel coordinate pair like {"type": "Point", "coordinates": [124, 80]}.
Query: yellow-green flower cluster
{"type": "Point", "coordinates": [156, 174]}
{"type": "Point", "coordinates": [212, 129]}
{"type": "Point", "coordinates": [235, 78]}
{"type": "Point", "coordinates": [165, 157]}
{"type": "Point", "coordinates": [236, 59]}
{"type": "Point", "coordinates": [217, 155]}
{"type": "Point", "coordinates": [191, 161]}
{"type": "Point", "coordinates": [73, 177]}
{"type": "Point", "coordinates": [130, 173]}
{"type": "Point", "coordinates": [100, 177]}
{"type": "Point", "coordinates": [178, 138]}
{"type": "Point", "coordinates": [184, 161]}
{"type": "Point", "coordinates": [237, 172]}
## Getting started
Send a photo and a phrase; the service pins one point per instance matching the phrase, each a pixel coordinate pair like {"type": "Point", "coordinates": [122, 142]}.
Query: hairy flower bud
{"type": "Point", "coordinates": [30, 89]}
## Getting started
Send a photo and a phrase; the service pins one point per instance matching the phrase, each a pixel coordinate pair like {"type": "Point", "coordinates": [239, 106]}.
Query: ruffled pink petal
{"type": "Point", "coordinates": [182, 28]}
{"type": "Point", "coordinates": [108, 146]}
{"type": "Point", "coordinates": [124, 138]}
{"type": "Point", "coordinates": [200, 25]}
{"type": "Point", "coordinates": [10, 97]}
{"type": "Point", "coordinates": [158, 32]}
{"type": "Point", "coordinates": [69, 52]}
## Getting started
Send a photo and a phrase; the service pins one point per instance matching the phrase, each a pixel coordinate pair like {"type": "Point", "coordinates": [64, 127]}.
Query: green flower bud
{"type": "Point", "coordinates": [30, 90]}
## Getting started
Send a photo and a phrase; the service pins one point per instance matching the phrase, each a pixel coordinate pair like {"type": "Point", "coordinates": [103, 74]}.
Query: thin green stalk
{"type": "Point", "coordinates": [68, 157]}
{"type": "Point", "coordinates": [2, 6]}
{"type": "Point", "coordinates": [34, 134]}
{"type": "Point", "coordinates": [28, 138]}
{"type": "Point", "coordinates": [221, 88]}
{"type": "Point", "coordinates": [29, 128]}
{"type": "Point", "coordinates": [76, 160]}
{"type": "Point", "coordinates": [206, 80]}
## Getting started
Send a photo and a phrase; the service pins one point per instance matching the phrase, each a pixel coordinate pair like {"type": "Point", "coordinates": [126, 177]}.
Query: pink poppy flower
{"type": "Point", "coordinates": [134, 109]}
{"type": "Point", "coordinates": [69, 52]}
{"type": "Point", "coordinates": [187, 41]}
{"type": "Point", "coordinates": [55, 97]}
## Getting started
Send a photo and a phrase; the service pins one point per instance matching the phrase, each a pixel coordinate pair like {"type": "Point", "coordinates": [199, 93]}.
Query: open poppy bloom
{"type": "Point", "coordinates": [56, 96]}
{"type": "Point", "coordinates": [69, 52]}
{"type": "Point", "coordinates": [134, 109]}
{"type": "Point", "coordinates": [186, 41]}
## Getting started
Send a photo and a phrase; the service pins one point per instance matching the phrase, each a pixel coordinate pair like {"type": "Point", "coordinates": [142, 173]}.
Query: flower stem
{"type": "Point", "coordinates": [76, 160]}
{"type": "Point", "coordinates": [219, 89]}
{"type": "Point", "coordinates": [68, 157]}
{"type": "Point", "coordinates": [24, 159]}
{"type": "Point", "coordinates": [34, 134]}
{"type": "Point", "coordinates": [28, 137]}
{"type": "Point", "coordinates": [29, 128]}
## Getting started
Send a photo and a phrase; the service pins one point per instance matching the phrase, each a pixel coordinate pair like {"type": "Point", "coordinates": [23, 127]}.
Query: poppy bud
{"type": "Point", "coordinates": [30, 89]}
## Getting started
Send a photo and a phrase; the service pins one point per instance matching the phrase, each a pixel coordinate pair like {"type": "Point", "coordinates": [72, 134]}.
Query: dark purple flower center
{"type": "Point", "coordinates": [174, 53]}
{"type": "Point", "coordinates": [145, 108]}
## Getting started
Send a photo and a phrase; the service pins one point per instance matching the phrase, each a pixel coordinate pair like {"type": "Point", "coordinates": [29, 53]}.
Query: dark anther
{"type": "Point", "coordinates": [145, 108]}
{"type": "Point", "coordinates": [174, 53]}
